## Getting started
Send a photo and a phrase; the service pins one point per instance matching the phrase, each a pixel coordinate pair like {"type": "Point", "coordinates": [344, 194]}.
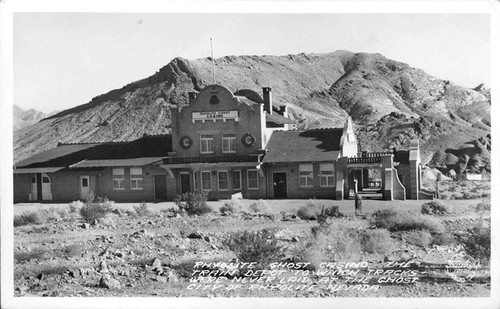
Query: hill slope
{"type": "Point", "coordinates": [320, 89]}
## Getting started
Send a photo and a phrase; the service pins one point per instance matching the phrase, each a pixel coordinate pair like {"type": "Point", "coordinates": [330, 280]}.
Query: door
{"type": "Point", "coordinates": [84, 187]}
{"type": "Point", "coordinates": [34, 189]}
{"type": "Point", "coordinates": [279, 184]}
{"type": "Point", "coordinates": [185, 183]}
{"type": "Point", "coordinates": [160, 187]}
{"type": "Point", "coordinates": [46, 188]}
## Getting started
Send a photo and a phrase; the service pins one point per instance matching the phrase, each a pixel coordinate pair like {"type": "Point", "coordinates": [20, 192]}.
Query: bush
{"type": "Point", "coordinates": [315, 211]}
{"type": "Point", "coordinates": [259, 246]}
{"type": "Point", "coordinates": [259, 206]}
{"type": "Point", "coordinates": [307, 213]}
{"type": "Point", "coordinates": [405, 221]}
{"type": "Point", "coordinates": [478, 243]}
{"type": "Point", "coordinates": [417, 237]}
{"type": "Point", "coordinates": [444, 238]}
{"type": "Point", "coordinates": [75, 207]}
{"type": "Point", "coordinates": [231, 207]}
{"type": "Point", "coordinates": [93, 211]}
{"type": "Point", "coordinates": [377, 241]}
{"type": "Point", "coordinates": [434, 207]}
{"type": "Point", "coordinates": [143, 210]}
{"type": "Point", "coordinates": [193, 203]}
{"type": "Point", "coordinates": [27, 218]}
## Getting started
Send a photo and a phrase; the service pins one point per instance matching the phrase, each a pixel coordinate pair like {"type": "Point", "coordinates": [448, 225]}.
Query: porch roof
{"type": "Point", "coordinates": [318, 145]}
{"type": "Point", "coordinates": [116, 162]}
{"type": "Point", "coordinates": [37, 170]}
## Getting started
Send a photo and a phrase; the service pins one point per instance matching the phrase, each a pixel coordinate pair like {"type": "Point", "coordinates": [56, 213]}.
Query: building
{"type": "Point", "coordinates": [223, 143]}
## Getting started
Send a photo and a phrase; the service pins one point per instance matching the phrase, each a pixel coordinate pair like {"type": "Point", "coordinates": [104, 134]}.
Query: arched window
{"type": "Point", "coordinates": [214, 100]}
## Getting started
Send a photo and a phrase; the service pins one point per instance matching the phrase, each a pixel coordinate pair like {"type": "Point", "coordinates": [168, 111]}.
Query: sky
{"type": "Point", "coordinates": [65, 59]}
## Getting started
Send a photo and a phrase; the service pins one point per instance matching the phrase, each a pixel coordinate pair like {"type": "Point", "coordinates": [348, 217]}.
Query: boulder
{"type": "Point", "coordinates": [109, 283]}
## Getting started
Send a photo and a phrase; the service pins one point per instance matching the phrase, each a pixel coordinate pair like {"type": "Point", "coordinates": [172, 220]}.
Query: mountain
{"type": "Point", "coordinates": [389, 101]}
{"type": "Point", "coordinates": [23, 118]}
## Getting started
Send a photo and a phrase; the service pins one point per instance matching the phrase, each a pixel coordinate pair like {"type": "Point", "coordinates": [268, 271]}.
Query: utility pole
{"type": "Point", "coordinates": [213, 61]}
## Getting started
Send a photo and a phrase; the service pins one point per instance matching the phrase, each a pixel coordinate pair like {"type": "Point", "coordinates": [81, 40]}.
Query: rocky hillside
{"type": "Point", "coordinates": [389, 101]}
{"type": "Point", "coordinates": [24, 118]}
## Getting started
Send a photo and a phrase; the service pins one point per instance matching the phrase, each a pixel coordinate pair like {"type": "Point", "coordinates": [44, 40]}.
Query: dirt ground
{"type": "Point", "coordinates": [156, 254]}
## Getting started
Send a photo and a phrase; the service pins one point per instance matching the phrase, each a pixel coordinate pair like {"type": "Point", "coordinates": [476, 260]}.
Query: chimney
{"type": "Point", "coordinates": [192, 96]}
{"type": "Point", "coordinates": [268, 99]}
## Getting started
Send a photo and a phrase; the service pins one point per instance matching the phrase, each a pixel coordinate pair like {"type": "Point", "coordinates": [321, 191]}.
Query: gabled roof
{"type": "Point", "coordinates": [304, 146]}
{"type": "Point", "coordinates": [65, 155]}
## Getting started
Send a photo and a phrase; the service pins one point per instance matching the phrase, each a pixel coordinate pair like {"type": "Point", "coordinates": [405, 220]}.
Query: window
{"type": "Point", "coordinates": [223, 180]}
{"type": "Point", "coordinates": [119, 179]}
{"type": "Point", "coordinates": [45, 179]}
{"type": "Point", "coordinates": [236, 180]}
{"type": "Point", "coordinates": [136, 178]}
{"type": "Point", "coordinates": [85, 182]}
{"type": "Point", "coordinates": [195, 177]}
{"type": "Point", "coordinates": [305, 175]}
{"type": "Point", "coordinates": [228, 143]}
{"type": "Point", "coordinates": [326, 175]}
{"type": "Point", "coordinates": [252, 179]}
{"type": "Point", "coordinates": [206, 181]}
{"type": "Point", "coordinates": [206, 143]}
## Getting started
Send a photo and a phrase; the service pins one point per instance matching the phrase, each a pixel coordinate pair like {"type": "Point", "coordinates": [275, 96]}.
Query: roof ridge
{"type": "Point", "coordinates": [90, 143]}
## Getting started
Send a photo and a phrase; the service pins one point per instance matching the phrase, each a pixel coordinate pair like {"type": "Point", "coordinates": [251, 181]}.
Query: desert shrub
{"type": "Point", "coordinates": [484, 206]}
{"type": "Point", "coordinates": [51, 214]}
{"type": "Point", "coordinates": [444, 238]}
{"type": "Point", "coordinates": [332, 242]}
{"type": "Point", "coordinates": [316, 211]}
{"type": "Point", "coordinates": [93, 211]}
{"type": "Point", "coordinates": [434, 207]}
{"type": "Point", "coordinates": [142, 210]}
{"type": "Point", "coordinates": [75, 207]}
{"type": "Point", "coordinates": [376, 241]}
{"type": "Point", "coordinates": [417, 237]}
{"type": "Point", "coordinates": [193, 203]}
{"type": "Point", "coordinates": [259, 206]}
{"type": "Point", "coordinates": [27, 218]}
{"type": "Point", "coordinates": [255, 246]}
{"type": "Point", "coordinates": [478, 243]}
{"type": "Point", "coordinates": [232, 206]}
{"type": "Point", "coordinates": [405, 221]}
{"type": "Point", "coordinates": [307, 213]}
{"type": "Point", "coordinates": [36, 253]}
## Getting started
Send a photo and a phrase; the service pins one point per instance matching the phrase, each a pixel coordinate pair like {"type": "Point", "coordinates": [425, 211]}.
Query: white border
{"type": "Point", "coordinates": [8, 7]}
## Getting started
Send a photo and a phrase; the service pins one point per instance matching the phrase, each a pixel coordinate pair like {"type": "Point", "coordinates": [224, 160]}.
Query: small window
{"type": "Point", "coordinates": [85, 182]}
{"type": "Point", "coordinates": [223, 180]}
{"type": "Point", "coordinates": [214, 100]}
{"type": "Point", "coordinates": [33, 180]}
{"type": "Point", "coordinates": [45, 179]}
{"type": "Point", "coordinates": [305, 175]}
{"type": "Point", "coordinates": [206, 180]}
{"type": "Point", "coordinates": [119, 179]}
{"type": "Point", "coordinates": [228, 143]}
{"type": "Point", "coordinates": [326, 175]}
{"type": "Point", "coordinates": [252, 179]}
{"type": "Point", "coordinates": [206, 143]}
{"type": "Point", "coordinates": [236, 180]}
{"type": "Point", "coordinates": [136, 178]}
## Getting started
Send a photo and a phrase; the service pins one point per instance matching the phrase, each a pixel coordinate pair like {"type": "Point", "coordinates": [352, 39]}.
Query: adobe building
{"type": "Point", "coordinates": [223, 143]}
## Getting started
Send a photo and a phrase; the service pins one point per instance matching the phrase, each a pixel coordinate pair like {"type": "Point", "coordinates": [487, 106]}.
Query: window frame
{"type": "Point", "coordinates": [195, 181]}
{"type": "Point", "coordinates": [219, 180]}
{"type": "Point", "coordinates": [309, 176]}
{"type": "Point", "coordinates": [118, 178]}
{"type": "Point", "coordinates": [231, 138]}
{"type": "Point", "coordinates": [136, 179]}
{"type": "Point", "coordinates": [233, 178]}
{"type": "Point", "coordinates": [203, 181]}
{"type": "Point", "coordinates": [322, 176]}
{"type": "Point", "coordinates": [248, 179]}
{"type": "Point", "coordinates": [209, 140]}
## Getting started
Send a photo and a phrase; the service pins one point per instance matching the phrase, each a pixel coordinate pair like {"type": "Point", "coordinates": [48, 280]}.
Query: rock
{"type": "Point", "coordinates": [172, 277]}
{"type": "Point", "coordinates": [207, 238]}
{"type": "Point", "coordinates": [40, 276]}
{"type": "Point", "coordinates": [117, 211]}
{"type": "Point", "coordinates": [109, 283]}
{"type": "Point", "coordinates": [195, 235]}
{"type": "Point", "coordinates": [75, 273]}
{"type": "Point", "coordinates": [107, 222]}
{"type": "Point", "coordinates": [161, 279]}
{"type": "Point", "coordinates": [103, 267]}
{"type": "Point", "coordinates": [156, 263]}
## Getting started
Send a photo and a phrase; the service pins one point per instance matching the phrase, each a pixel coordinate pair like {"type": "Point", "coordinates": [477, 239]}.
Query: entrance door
{"type": "Point", "coordinates": [185, 183]}
{"type": "Point", "coordinates": [34, 189]}
{"type": "Point", "coordinates": [46, 192]}
{"type": "Point", "coordinates": [84, 187]}
{"type": "Point", "coordinates": [160, 187]}
{"type": "Point", "coordinates": [279, 184]}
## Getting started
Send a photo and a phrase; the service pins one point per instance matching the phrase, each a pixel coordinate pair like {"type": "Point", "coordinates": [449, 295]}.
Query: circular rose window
{"type": "Point", "coordinates": [186, 142]}
{"type": "Point", "coordinates": [248, 139]}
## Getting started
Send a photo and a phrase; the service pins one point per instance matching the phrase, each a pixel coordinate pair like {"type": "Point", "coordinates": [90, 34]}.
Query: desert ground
{"type": "Point", "coordinates": [250, 248]}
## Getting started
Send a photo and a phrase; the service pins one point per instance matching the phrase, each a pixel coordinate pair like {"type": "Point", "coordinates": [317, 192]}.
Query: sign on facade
{"type": "Point", "coordinates": [215, 115]}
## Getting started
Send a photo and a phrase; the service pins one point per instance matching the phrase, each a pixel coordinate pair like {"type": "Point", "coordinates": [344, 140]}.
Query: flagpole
{"type": "Point", "coordinates": [213, 61]}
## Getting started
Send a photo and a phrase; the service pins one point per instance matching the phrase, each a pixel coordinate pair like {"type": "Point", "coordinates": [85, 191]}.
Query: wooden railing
{"type": "Point", "coordinates": [212, 159]}
{"type": "Point", "coordinates": [364, 160]}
